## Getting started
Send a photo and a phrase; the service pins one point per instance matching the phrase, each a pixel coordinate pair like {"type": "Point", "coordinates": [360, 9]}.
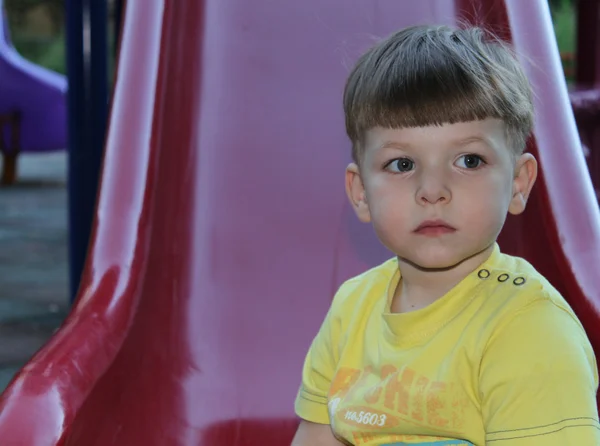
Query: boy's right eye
{"type": "Point", "coordinates": [400, 165]}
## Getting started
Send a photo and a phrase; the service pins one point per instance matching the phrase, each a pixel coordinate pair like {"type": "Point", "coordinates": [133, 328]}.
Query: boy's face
{"type": "Point", "coordinates": [438, 195]}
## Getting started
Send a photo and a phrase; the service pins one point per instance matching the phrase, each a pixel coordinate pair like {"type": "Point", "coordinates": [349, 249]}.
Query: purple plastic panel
{"type": "Point", "coordinates": [37, 94]}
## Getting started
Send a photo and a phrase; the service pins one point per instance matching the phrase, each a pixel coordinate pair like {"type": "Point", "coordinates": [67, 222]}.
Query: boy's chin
{"type": "Point", "coordinates": [435, 260]}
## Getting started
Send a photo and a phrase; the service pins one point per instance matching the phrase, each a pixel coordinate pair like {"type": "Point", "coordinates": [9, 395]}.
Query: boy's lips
{"type": "Point", "coordinates": [434, 227]}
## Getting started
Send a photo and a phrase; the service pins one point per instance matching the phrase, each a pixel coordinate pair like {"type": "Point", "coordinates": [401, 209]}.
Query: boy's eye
{"type": "Point", "coordinates": [401, 165]}
{"type": "Point", "coordinates": [470, 161]}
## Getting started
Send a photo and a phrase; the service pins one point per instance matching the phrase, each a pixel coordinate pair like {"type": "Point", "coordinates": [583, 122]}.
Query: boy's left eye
{"type": "Point", "coordinates": [470, 161]}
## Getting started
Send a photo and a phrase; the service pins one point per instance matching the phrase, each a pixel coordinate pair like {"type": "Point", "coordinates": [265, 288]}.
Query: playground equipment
{"type": "Point", "coordinates": [222, 229]}
{"type": "Point", "coordinates": [33, 115]}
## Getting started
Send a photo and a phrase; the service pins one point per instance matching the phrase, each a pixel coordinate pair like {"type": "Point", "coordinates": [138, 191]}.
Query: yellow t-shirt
{"type": "Point", "coordinates": [499, 360]}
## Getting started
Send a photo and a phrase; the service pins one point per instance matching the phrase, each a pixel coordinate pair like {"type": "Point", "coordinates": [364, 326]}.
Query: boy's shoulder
{"type": "Point", "coordinates": [516, 286]}
{"type": "Point", "coordinates": [365, 289]}
{"type": "Point", "coordinates": [373, 280]}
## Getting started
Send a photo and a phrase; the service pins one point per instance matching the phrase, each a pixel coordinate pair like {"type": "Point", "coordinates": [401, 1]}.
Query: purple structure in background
{"type": "Point", "coordinates": [33, 109]}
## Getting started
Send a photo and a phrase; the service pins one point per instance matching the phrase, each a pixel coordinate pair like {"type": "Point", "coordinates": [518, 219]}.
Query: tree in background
{"type": "Point", "coordinates": [20, 9]}
{"type": "Point", "coordinates": [37, 31]}
{"type": "Point", "coordinates": [557, 4]}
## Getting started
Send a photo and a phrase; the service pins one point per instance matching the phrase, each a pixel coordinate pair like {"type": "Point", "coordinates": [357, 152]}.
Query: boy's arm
{"type": "Point", "coordinates": [538, 381]}
{"type": "Point", "coordinates": [313, 434]}
{"type": "Point", "coordinates": [320, 365]}
{"type": "Point", "coordinates": [318, 371]}
{"type": "Point", "coordinates": [317, 374]}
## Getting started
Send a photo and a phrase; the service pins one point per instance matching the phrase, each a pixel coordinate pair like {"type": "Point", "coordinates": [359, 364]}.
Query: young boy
{"type": "Point", "coordinates": [451, 342]}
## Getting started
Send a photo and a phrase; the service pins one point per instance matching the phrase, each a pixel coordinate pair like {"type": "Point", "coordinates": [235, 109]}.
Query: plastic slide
{"type": "Point", "coordinates": [38, 96]}
{"type": "Point", "coordinates": [222, 229]}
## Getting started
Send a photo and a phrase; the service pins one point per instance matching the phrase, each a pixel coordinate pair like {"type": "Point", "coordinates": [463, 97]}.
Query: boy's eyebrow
{"type": "Point", "coordinates": [474, 138]}
{"type": "Point", "coordinates": [394, 145]}
{"type": "Point", "coordinates": [391, 144]}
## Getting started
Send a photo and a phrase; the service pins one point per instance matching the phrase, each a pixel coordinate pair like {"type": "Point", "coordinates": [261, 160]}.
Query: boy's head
{"type": "Point", "coordinates": [431, 75]}
{"type": "Point", "coordinates": [438, 119]}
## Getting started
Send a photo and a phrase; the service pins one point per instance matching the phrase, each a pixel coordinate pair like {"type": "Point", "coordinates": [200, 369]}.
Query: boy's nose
{"type": "Point", "coordinates": [432, 190]}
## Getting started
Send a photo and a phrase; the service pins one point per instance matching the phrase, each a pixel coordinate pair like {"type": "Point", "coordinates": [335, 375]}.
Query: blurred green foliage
{"type": "Point", "coordinates": [49, 50]}
{"type": "Point", "coordinates": [44, 47]}
{"type": "Point", "coordinates": [18, 9]}
{"type": "Point", "coordinates": [564, 19]}
{"type": "Point", "coordinates": [563, 16]}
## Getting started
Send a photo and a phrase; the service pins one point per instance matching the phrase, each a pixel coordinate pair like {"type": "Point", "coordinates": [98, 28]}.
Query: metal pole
{"type": "Point", "coordinates": [119, 10]}
{"type": "Point", "coordinates": [87, 100]}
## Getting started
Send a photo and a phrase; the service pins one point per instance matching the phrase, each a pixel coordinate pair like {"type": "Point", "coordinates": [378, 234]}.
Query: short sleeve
{"type": "Point", "coordinates": [318, 371]}
{"type": "Point", "coordinates": [538, 381]}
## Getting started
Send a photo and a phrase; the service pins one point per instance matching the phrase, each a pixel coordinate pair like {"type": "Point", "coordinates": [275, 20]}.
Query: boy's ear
{"type": "Point", "coordinates": [525, 176]}
{"type": "Point", "coordinates": [356, 193]}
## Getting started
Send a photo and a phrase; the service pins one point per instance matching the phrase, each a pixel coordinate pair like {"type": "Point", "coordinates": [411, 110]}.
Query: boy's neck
{"type": "Point", "coordinates": [419, 287]}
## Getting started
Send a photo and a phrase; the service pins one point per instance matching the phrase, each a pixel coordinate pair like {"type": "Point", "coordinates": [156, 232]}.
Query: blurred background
{"type": "Point", "coordinates": [38, 30]}
{"type": "Point", "coordinates": [35, 289]}
{"type": "Point", "coordinates": [35, 292]}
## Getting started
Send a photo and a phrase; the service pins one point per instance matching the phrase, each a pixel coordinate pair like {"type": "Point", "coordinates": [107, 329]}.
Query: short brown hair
{"type": "Point", "coordinates": [431, 75]}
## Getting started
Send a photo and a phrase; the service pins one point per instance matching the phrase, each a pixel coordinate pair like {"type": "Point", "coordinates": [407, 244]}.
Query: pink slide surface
{"type": "Point", "coordinates": [222, 227]}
